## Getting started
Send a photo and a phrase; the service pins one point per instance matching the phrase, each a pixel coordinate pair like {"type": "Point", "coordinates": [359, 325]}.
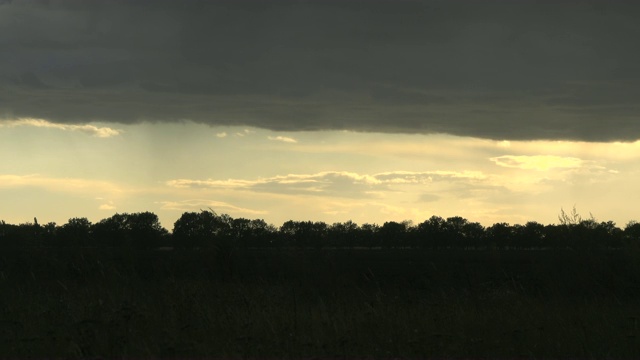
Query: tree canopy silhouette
{"type": "Point", "coordinates": [208, 230]}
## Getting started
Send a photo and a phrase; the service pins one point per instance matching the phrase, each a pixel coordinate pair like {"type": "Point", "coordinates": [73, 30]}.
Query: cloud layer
{"type": "Point", "coordinates": [334, 183]}
{"type": "Point", "coordinates": [203, 204]}
{"type": "Point", "coordinates": [517, 70]}
{"type": "Point", "coordinates": [101, 132]}
{"type": "Point", "coordinates": [67, 185]}
{"type": "Point", "coordinates": [537, 162]}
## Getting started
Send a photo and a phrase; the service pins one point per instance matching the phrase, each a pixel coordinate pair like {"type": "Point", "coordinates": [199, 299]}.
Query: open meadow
{"type": "Point", "coordinates": [292, 303]}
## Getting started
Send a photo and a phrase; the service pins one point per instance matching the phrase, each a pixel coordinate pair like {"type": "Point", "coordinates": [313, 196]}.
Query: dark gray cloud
{"type": "Point", "coordinates": [500, 70]}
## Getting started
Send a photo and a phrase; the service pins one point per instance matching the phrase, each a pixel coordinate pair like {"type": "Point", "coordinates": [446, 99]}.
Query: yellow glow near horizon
{"type": "Point", "coordinates": [325, 176]}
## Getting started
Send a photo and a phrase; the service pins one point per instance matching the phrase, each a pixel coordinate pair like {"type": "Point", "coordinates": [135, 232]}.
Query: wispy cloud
{"type": "Point", "coordinates": [72, 185]}
{"type": "Point", "coordinates": [197, 204]}
{"type": "Point", "coordinates": [337, 183]}
{"type": "Point", "coordinates": [538, 162]}
{"type": "Point", "coordinates": [245, 132]}
{"type": "Point", "coordinates": [108, 206]}
{"type": "Point", "coordinates": [221, 134]}
{"type": "Point", "coordinates": [282, 139]}
{"type": "Point", "coordinates": [101, 132]}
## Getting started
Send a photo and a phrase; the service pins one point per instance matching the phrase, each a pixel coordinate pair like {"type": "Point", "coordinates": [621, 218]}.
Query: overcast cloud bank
{"type": "Point", "coordinates": [498, 70]}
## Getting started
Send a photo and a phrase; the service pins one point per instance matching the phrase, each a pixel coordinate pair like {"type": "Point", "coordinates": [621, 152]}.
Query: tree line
{"type": "Point", "coordinates": [207, 229]}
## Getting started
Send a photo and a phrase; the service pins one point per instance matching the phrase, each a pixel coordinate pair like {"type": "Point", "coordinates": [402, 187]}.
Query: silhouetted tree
{"type": "Point", "coordinates": [454, 230]}
{"type": "Point", "coordinates": [22, 235]}
{"type": "Point", "coordinates": [431, 232]}
{"type": "Point", "coordinates": [304, 233]}
{"type": "Point", "coordinates": [112, 231]}
{"type": "Point", "coordinates": [368, 235]}
{"type": "Point", "coordinates": [222, 233]}
{"type": "Point", "coordinates": [393, 234]}
{"type": "Point", "coordinates": [145, 230]}
{"type": "Point", "coordinates": [343, 234]}
{"type": "Point", "coordinates": [241, 231]}
{"type": "Point", "coordinates": [262, 234]}
{"type": "Point", "coordinates": [556, 236]}
{"type": "Point", "coordinates": [76, 232]}
{"type": "Point", "coordinates": [201, 229]}
{"type": "Point", "coordinates": [530, 235]}
{"type": "Point", "coordinates": [473, 235]}
{"type": "Point", "coordinates": [609, 234]}
{"type": "Point", "coordinates": [49, 233]}
{"type": "Point", "coordinates": [8, 235]}
{"type": "Point", "coordinates": [632, 235]}
{"type": "Point", "coordinates": [248, 233]}
{"type": "Point", "coordinates": [139, 230]}
{"type": "Point", "coordinates": [500, 235]}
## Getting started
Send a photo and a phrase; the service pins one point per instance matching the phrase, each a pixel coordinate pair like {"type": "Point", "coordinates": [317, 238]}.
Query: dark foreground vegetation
{"type": "Point", "coordinates": [206, 229]}
{"type": "Point", "coordinates": [223, 287]}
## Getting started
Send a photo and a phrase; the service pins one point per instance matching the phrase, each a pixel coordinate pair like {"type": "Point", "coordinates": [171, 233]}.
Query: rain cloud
{"type": "Point", "coordinates": [499, 70]}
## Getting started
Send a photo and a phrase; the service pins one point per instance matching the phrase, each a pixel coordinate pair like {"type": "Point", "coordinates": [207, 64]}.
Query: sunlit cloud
{"type": "Point", "coordinates": [231, 183]}
{"type": "Point", "coordinates": [101, 132]}
{"type": "Point", "coordinates": [245, 132]}
{"type": "Point", "coordinates": [412, 177]}
{"type": "Point", "coordinates": [337, 183]}
{"type": "Point", "coordinates": [580, 149]}
{"type": "Point", "coordinates": [398, 145]}
{"type": "Point", "coordinates": [282, 139]}
{"type": "Point", "coordinates": [203, 204]}
{"type": "Point", "coordinates": [108, 206]}
{"type": "Point", "coordinates": [462, 149]}
{"type": "Point", "coordinates": [538, 162]}
{"type": "Point", "coordinates": [221, 134]}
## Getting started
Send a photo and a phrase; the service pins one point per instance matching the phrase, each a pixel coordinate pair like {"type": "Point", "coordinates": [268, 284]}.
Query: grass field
{"type": "Point", "coordinates": [309, 303]}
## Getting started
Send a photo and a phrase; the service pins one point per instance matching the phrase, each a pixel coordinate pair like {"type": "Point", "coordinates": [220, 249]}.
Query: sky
{"type": "Point", "coordinates": [370, 111]}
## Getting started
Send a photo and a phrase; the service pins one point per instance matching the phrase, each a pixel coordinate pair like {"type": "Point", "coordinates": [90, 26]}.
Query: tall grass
{"type": "Point", "coordinates": [81, 304]}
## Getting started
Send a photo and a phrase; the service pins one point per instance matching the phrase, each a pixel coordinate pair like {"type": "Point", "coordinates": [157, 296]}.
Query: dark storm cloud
{"type": "Point", "coordinates": [500, 70]}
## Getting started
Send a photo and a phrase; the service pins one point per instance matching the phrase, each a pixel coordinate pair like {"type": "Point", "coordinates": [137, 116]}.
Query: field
{"type": "Point", "coordinates": [79, 303]}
